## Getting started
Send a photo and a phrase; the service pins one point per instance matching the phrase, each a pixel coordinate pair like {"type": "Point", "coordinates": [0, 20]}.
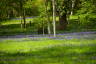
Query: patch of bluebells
{"type": "Point", "coordinates": [76, 35]}
{"type": "Point", "coordinates": [69, 37]}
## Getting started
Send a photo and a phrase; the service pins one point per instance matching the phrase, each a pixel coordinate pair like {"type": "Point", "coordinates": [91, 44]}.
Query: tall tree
{"type": "Point", "coordinates": [47, 16]}
{"type": "Point", "coordinates": [63, 10]}
{"type": "Point", "coordinates": [22, 11]}
{"type": "Point", "coordinates": [54, 20]}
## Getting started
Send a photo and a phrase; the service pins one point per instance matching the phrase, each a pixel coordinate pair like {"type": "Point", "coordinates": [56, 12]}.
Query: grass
{"type": "Point", "coordinates": [13, 27]}
{"type": "Point", "coordinates": [48, 51]}
{"type": "Point", "coordinates": [14, 21]}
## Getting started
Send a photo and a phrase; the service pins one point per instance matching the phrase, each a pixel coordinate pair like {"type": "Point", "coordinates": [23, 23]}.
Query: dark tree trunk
{"type": "Point", "coordinates": [24, 19]}
{"type": "Point", "coordinates": [21, 22]}
{"type": "Point", "coordinates": [22, 14]}
{"type": "Point", "coordinates": [63, 21]}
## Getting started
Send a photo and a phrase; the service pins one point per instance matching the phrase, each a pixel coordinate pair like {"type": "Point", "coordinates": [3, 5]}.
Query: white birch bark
{"type": "Point", "coordinates": [54, 20]}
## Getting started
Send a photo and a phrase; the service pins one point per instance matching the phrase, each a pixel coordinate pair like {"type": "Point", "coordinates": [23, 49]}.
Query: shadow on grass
{"type": "Point", "coordinates": [15, 29]}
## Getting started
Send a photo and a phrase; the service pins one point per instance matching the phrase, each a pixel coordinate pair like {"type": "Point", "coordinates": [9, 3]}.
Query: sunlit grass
{"type": "Point", "coordinates": [14, 21]}
{"type": "Point", "coordinates": [28, 45]}
{"type": "Point", "coordinates": [48, 52]}
{"type": "Point", "coordinates": [73, 17]}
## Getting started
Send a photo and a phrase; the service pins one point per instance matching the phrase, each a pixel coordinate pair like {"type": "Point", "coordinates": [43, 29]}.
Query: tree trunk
{"type": "Point", "coordinates": [49, 30]}
{"type": "Point", "coordinates": [73, 4]}
{"type": "Point", "coordinates": [24, 19]}
{"type": "Point", "coordinates": [43, 28]}
{"type": "Point", "coordinates": [48, 18]}
{"type": "Point", "coordinates": [54, 20]}
{"type": "Point", "coordinates": [21, 22]}
{"type": "Point", "coordinates": [22, 13]}
{"type": "Point", "coordinates": [63, 21]}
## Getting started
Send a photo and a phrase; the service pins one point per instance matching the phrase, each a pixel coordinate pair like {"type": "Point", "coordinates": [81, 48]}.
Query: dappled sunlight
{"type": "Point", "coordinates": [51, 55]}
{"type": "Point", "coordinates": [47, 32]}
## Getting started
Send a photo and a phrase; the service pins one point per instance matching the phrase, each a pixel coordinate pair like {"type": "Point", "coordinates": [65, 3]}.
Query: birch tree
{"type": "Point", "coordinates": [54, 20]}
{"type": "Point", "coordinates": [48, 17]}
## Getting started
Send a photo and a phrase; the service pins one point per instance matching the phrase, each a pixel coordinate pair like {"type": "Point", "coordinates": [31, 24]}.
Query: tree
{"type": "Point", "coordinates": [54, 21]}
{"type": "Point", "coordinates": [63, 8]}
{"type": "Point", "coordinates": [47, 16]}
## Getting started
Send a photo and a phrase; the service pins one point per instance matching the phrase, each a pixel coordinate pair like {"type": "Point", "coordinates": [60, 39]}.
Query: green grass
{"type": "Point", "coordinates": [48, 52]}
{"type": "Point", "coordinates": [13, 27]}
{"type": "Point", "coordinates": [13, 21]}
